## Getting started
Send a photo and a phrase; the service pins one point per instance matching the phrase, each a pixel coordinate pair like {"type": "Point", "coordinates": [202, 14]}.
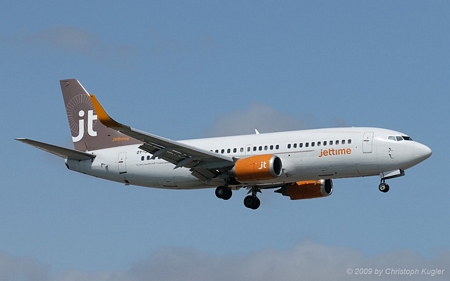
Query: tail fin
{"type": "Point", "coordinates": [87, 132]}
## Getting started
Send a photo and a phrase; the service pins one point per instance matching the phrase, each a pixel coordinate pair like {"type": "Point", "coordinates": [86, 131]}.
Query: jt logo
{"type": "Point", "coordinates": [263, 165]}
{"type": "Point", "coordinates": [90, 125]}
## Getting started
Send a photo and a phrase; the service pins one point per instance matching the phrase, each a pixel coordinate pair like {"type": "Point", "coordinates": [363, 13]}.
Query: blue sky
{"type": "Point", "coordinates": [189, 69]}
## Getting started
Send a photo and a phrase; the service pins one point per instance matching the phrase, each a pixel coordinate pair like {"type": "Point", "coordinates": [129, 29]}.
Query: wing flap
{"type": "Point", "coordinates": [62, 152]}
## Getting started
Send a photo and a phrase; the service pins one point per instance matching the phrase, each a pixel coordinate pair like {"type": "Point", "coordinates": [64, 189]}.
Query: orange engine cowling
{"type": "Point", "coordinates": [256, 168]}
{"type": "Point", "coordinates": [307, 189]}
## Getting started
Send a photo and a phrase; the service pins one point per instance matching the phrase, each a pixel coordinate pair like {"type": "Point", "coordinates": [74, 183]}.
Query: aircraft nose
{"type": "Point", "coordinates": [421, 151]}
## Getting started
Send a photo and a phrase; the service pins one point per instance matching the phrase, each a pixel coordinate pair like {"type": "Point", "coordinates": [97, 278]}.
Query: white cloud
{"type": "Point", "coordinates": [13, 268]}
{"type": "Point", "coordinates": [68, 39]}
{"type": "Point", "coordinates": [77, 41]}
{"type": "Point", "coordinates": [261, 117]}
{"type": "Point", "coordinates": [306, 261]}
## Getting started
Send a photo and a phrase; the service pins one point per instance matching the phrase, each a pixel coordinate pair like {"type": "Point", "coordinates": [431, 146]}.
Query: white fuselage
{"type": "Point", "coordinates": [305, 155]}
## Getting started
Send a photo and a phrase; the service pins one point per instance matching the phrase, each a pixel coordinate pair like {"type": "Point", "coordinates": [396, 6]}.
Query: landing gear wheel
{"type": "Point", "coordinates": [223, 192]}
{"type": "Point", "coordinates": [252, 202]}
{"type": "Point", "coordinates": [227, 194]}
{"type": "Point", "coordinates": [383, 187]}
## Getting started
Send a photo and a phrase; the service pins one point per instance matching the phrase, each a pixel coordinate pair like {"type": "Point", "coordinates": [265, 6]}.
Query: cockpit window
{"type": "Point", "coordinates": [399, 138]}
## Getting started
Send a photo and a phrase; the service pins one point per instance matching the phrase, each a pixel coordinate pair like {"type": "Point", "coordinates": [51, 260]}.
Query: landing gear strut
{"type": "Point", "coordinates": [251, 201]}
{"type": "Point", "coordinates": [383, 187]}
{"type": "Point", "coordinates": [223, 192]}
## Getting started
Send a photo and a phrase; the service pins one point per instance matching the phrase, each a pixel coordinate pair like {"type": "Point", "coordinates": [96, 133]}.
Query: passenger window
{"type": "Point", "coordinates": [254, 148]}
{"type": "Point", "coordinates": [318, 143]}
{"type": "Point", "coordinates": [266, 147]}
{"type": "Point", "coordinates": [295, 145]}
{"type": "Point", "coordinates": [343, 141]}
{"type": "Point", "coordinates": [289, 145]}
{"type": "Point", "coordinates": [148, 157]}
{"type": "Point", "coordinates": [228, 150]}
{"type": "Point", "coordinates": [142, 158]}
{"type": "Point", "coordinates": [260, 148]}
{"type": "Point", "coordinates": [300, 145]}
{"type": "Point", "coordinates": [277, 146]}
{"type": "Point", "coordinates": [271, 147]}
{"type": "Point", "coordinates": [349, 141]}
{"type": "Point", "coordinates": [337, 142]}
{"type": "Point", "coordinates": [312, 144]}
{"type": "Point", "coordinates": [331, 142]}
{"type": "Point", "coordinates": [234, 150]}
{"type": "Point", "coordinates": [248, 149]}
{"type": "Point", "coordinates": [217, 151]}
{"type": "Point", "coordinates": [222, 151]}
{"type": "Point", "coordinates": [242, 149]}
{"type": "Point", "coordinates": [325, 143]}
{"type": "Point", "coordinates": [306, 144]}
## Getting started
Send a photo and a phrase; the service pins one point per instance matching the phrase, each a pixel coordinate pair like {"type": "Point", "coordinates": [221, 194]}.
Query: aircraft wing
{"type": "Point", "coordinates": [58, 150]}
{"type": "Point", "coordinates": [204, 164]}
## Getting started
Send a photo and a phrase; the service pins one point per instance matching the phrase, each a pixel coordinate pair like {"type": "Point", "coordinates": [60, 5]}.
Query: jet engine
{"type": "Point", "coordinates": [257, 168]}
{"type": "Point", "coordinates": [307, 189]}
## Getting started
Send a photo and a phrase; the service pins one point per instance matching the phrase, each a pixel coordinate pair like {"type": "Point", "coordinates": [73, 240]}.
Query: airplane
{"type": "Point", "coordinates": [299, 164]}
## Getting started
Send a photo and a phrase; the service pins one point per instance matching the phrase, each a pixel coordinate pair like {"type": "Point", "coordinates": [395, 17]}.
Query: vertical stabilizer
{"type": "Point", "coordinates": [87, 132]}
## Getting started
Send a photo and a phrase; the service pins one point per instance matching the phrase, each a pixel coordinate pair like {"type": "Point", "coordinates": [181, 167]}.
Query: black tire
{"type": "Point", "coordinates": [221, 191]}
{"type": "Point", "coordinates": [383, 187]}
{"type": "Point", "coordinates": [248, 201]}
{"type": "Point", "coordinates": [252, 202]}
{"type": "Point", "coordinates": [227, 195]}
{"type": "Point", "coordinates": [256, 203]}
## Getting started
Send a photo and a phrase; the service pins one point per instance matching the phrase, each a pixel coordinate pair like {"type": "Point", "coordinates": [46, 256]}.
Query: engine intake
{"type": "Point", "coordinates": [307, 189]}
{"type": "Point", "coordinates": [257, 168]}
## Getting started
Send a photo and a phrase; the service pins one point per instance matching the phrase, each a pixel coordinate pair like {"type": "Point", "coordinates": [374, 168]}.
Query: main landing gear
{"type": "Point", "coordinates": [383, 187]}
{"type": "Point", "coordinates": [223, 192]}
{"type": "Point", "coordinates": [251, 201]}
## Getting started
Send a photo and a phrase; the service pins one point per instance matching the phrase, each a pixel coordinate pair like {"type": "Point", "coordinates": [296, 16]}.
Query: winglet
{"type": "Point", "coordinates": [102, 115]}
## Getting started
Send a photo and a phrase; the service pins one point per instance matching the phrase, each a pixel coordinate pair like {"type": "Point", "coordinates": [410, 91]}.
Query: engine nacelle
{"type": "Point", "coordinates": [307, 189]}
{"type": "Point", "coordinates": [257, 168]}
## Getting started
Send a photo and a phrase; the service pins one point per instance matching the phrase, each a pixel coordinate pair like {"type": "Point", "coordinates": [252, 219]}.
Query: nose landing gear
{"type": "Point", "coordinates": [383, 187]}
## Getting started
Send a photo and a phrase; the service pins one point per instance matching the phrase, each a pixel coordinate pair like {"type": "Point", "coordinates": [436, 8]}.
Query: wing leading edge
{"type": "Point", "coordinates": [203, 164]}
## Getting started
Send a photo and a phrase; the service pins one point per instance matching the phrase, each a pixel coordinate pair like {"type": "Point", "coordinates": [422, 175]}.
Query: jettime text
{"type": "Point", "coordinates": [334, 152]}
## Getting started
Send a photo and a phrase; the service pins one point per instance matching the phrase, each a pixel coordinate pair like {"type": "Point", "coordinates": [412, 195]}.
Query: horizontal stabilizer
{"type": "Point", "coordinates": [58, 151]}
